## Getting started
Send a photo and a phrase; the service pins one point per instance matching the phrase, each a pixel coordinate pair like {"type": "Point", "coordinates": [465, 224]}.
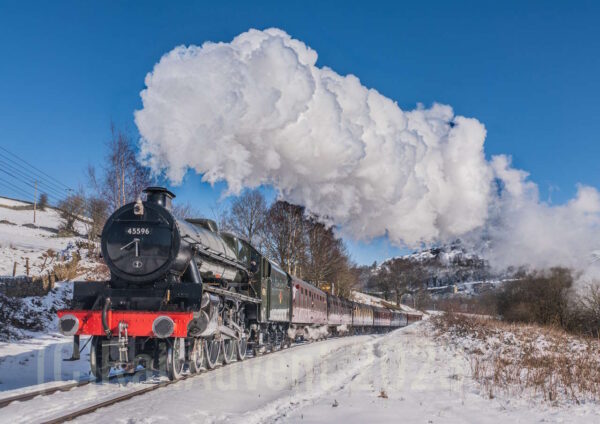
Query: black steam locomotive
{"type": "Point", "coordinates": [183, 293]}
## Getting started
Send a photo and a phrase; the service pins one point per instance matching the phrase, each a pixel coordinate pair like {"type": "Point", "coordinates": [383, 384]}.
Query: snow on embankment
{"type": "Point", "coordinates": [525, 361]}
{"type": "Point", "coordinates": [35, 351]}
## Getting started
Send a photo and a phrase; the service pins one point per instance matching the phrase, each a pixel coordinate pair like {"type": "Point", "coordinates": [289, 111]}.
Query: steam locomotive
{"type": "Point", "coordinates": [181, 293]}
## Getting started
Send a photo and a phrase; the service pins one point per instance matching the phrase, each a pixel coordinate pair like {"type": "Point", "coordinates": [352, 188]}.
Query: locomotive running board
{"type": "Point", "coordinates": [230, 295]}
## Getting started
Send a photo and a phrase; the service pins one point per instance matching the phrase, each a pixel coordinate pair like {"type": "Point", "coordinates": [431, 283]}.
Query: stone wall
{"type": "Point", "coordinates": [26, 286]}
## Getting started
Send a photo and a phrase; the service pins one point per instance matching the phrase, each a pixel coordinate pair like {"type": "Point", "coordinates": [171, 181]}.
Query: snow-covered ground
{"type": "Point", "coordinates": [542, 364]}
{"type": "Point", "coordinates": [31, 350]}
{"type": "Point", "coordinates": [404, 376]}
{"type": "Point", "coordinates": [18, 240]}
{"type": "Point", "coordinates": [32, 358]}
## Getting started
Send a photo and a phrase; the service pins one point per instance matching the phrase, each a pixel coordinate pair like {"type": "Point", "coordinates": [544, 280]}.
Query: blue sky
{"type": "Point", "coordinates": [530, 71]}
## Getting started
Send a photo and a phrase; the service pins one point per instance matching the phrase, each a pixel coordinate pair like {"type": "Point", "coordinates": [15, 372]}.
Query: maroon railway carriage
{"type": "Point", "coordinates": [413, 317]}
{"type": "Point", "coordinates": [309, 304]}
{"type": "Point", "coordinates": [382, 318]}
{"type": "Point", "coordinates": [399, 319]}
{"type": "Point", "coordinates": [339, 314]}
{"type": "Point", "coordinates": [362, 318]}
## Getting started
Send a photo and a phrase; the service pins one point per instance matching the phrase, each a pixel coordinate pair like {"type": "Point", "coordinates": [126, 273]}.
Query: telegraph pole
{"type": "Point", "coordinates": [34, 200]}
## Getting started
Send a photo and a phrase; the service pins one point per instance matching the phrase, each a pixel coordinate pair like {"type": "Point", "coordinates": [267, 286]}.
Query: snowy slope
{"type": "Point", "coordinates": [448, 265]}
{"type": "Point", "coordinates": [19, 241]}
{"type": "Point", "coordinates": [34, 358]}
{"type": "Point", "coordinates": [31, 350]}
{"type": "Point", "coordinates": [405, 376]}
{"type": "Point", "coordinates": [377, 301]}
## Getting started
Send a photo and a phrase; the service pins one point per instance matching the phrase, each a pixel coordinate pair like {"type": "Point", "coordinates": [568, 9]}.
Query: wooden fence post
{"type": "Point", "coordinates": [27, 266]}
{"type": "Point", "coordinates": [15, 269]}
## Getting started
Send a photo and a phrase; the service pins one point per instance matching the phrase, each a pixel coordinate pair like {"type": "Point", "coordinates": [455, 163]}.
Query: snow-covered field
{"type": "Point", "coordinates": [31, 350]}
{"type": "Point", "coordinates": [405, 376]}
{"type": "Point", "coordinates": [18, 240]}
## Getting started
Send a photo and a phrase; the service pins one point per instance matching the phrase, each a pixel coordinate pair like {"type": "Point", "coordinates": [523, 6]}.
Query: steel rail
{"type": "Point", "coordinates": [48, 391]}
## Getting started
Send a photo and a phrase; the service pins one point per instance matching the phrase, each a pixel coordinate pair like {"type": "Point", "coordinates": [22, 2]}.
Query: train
{"type": "Point", "coordinates": [184, 295]}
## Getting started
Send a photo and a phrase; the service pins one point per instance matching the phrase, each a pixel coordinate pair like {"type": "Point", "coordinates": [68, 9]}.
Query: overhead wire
{"type": "Point", "coordinates": [31, 179]}
{"type": "Point", "coordinates": [31, 185]}
{"type": "Point", "coordinates": [12, 189]}
{"type": "Point", "coordinates": [35, 168]}
{"type": "Point", "coordinates": [25, 173]}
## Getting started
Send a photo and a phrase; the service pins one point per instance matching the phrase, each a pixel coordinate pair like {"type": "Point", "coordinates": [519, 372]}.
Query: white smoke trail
{"type": "Point", "coordinates": [522, 230]}
{"type": "Point", "coordinates": [258, 111]}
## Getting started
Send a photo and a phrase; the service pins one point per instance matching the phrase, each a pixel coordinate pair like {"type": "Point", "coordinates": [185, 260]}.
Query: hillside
{"type": "Point", "coordinates": [51, 260]}
{"type": "Point", "coordinates": [21, 239]}
{"type": "Point", "coordinates": [441, 271]}
{"type": "Point", "coordinates": [451, 264]}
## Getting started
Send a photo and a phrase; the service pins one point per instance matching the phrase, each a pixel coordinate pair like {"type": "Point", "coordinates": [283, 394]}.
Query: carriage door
{"type": "Point", "coordinates": [265, 288]}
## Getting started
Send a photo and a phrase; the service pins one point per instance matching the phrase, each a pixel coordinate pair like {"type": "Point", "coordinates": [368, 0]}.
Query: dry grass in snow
{"type": "Point", "coordinates": [525, 360]}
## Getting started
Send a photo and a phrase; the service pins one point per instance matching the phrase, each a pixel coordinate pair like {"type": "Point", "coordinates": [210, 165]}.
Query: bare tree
{"type": "Point", "coordinates": [307, 248]}
{"type": "Point", "coordinates": [247, 216]}
{"type": "Point", "coordinates": [585, 310]}
{"type": "Point", "coordinates": [97, 210]}
{"type": "Point", "coordinates": [185, 210]}
{"type": "Point", "coordinates": [285, 236]}
{"type": "Point", "coordinates": [71, 209]}
{"type": "Point", "coordinates": [400, 276]}
{"type": "Point", "coordinates": [326, 256]}
{"type": "Point", "coordinates": [43, 202]}
{"type": "Point", "coordinates": [123, 177]}
{"type": "Point", "coordinates": [220, 214]}
{"type": "Point", "coordinates": [346, 279]}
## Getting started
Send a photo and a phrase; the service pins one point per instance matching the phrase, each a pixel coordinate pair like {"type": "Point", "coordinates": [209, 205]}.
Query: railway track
{"type": "Point", "coordinates": [48, 391]}
{"type": "Point", "coordinates": [89, 409]}
{"type": "Point", "coordinates": [121, 398]}
{"type": "Point", "coordinates": [117, 399]}
{"type": "Point", "coordinates": [109, 402]}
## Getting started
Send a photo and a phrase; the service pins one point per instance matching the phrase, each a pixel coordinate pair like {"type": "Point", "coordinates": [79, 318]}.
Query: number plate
{"type": "Point", "coordinates": [138, 231]}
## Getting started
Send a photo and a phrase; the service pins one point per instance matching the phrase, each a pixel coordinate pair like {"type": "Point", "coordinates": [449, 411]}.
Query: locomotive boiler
{"type": "Point", "coordinates": [143, 242]}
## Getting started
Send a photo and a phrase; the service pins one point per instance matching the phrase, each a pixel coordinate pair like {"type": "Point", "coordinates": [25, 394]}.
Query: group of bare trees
{"type": "Point", "coordinates": [120, 180]}
{"type": "Point", "coordinates": [299, 243]}
{"type": "Point", "coordinates": [247, 217]}
{"type": "Point", "coordinates": [398, 277]}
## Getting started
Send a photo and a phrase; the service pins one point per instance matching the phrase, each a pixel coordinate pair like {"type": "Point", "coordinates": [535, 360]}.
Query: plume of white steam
{"type": "Point", "coordinates": [522, 230]}
{"type": "Point", "coordinates": [259, 111]}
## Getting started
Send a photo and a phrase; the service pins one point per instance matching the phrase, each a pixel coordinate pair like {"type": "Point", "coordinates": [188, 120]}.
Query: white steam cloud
{"type": "Point", "coordinates": [258, 111]}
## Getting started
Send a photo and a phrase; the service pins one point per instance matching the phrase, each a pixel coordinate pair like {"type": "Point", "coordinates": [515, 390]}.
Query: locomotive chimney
{"type": "Point", "coordinates": [160, 196]}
